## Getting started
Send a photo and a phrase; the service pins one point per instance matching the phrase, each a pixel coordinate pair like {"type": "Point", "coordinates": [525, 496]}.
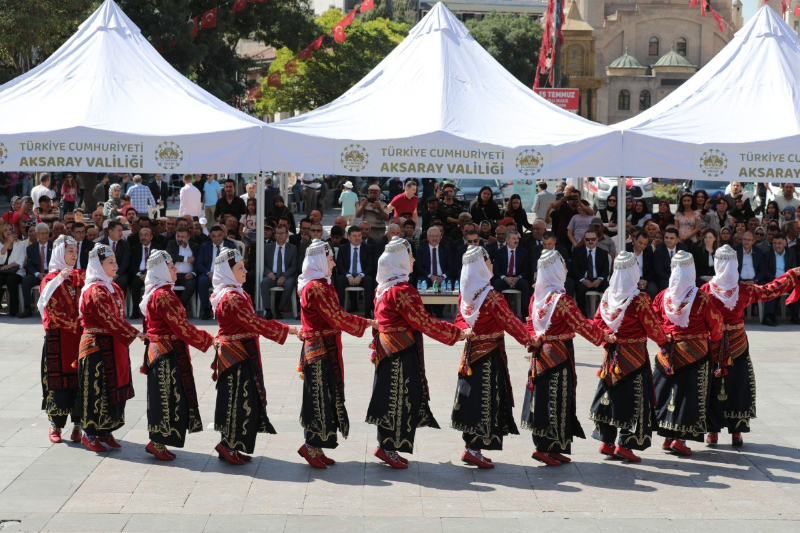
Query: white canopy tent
{"type": "Point", "coordinates": [106, 101]}
{"type": "Point", "coordinates": [737, 119]}
{"type": "Point", "coordinates": [440, 106]}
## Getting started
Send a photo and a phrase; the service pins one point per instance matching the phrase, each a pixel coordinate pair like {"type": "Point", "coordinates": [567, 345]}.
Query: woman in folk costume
{"type": "Point", "coordinates": [58, 305]}
{"type": "Point", "coordinates": [484, 399]}
{"type": "Point", "coordinates": [321, 366]}
{"type": "Point", "coordinates": [399, 403]}
{"type": "Point", "coordinates": [241, 411]}
{"type": "Point", "coordinates": [549, 406]}
{"type": "Point", "coordinates": [733, 385]}
{"type": "Point", "coordinates": [683, 366]}
{"type": "Point", "coordinates": [623, 402]}
{"type": "Point", "coordinates": [104, 366]}
{"type": "Point", "coordinates": [172, 408]}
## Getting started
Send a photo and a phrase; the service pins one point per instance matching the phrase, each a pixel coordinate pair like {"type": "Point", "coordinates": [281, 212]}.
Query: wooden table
{"type": "Point", "coordinates": [439, 298]}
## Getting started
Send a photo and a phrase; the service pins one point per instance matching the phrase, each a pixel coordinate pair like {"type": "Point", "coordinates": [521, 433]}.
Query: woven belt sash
{"type": "Point", "coordinates": [683, 351]}
{"type": "Point", "coordinates": [621, 360]}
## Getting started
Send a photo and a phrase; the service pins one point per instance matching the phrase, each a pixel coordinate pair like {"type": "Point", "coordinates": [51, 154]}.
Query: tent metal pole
{"type": "Point", "coordinates": [259, 241]}
{"type": "Point", "coordinates": [621, 194]}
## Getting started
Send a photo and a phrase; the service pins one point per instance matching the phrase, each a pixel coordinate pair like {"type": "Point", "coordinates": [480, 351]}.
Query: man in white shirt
{"type": "Point", "coordinates": [43, 189]}
{"type": "Point", "coordinates": [751, 260]}
{"type": "Point", "coordinates": [191, 199]}
{"type": "Point", "coordinates": [788, 198]}
{"type": "Point", "coordinates": [250, 189]}
{"type": "Point", "coordinates": [280, 270]}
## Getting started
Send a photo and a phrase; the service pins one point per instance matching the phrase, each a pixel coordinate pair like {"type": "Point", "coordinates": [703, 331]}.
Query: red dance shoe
{"type": "Point", "coordinates": [736, 440]}
{"type": "Point", "coordinates": [607, 449]}
{"type": "Point", "coordinates": [681, 448]}
{"type": "Point", "coordinates": [545, 458]}
{"type": "Point", "coordinates": [224, 455]}
{"type": "Point", "coordinates": [76, 434]}
{"type": "Point", "coordinates": [325, 459]}
{"type": "Point", "coordinates": [667, 446]}
{"type": "Point", "coordinates": [243, 457]}
{"type": "Point", "coordinates": [390, 458]}
{"type": "Point", "coordinates": [162, 455]}
{"type": "Point", "coordinates": [475, 458]}
{"type": "Point", "coordinates": [109, 440]}
{"type": "Point", "coordinates": [560, 458]}
{"type": "Point", "coordinates": [94, 445]}
{"type": "Point", "coordinates": [712, 439]}
{"type": "Point", "coordinates": [55, 435]}
{"type": "Point", "coordinates": [312, 456]}
{"type": "Point", "coordinates": [626, 453]}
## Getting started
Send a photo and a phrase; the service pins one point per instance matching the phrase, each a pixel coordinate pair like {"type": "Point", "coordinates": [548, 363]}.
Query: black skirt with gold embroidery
{"type": "Point", "coordinates": [172, 408]}
{"type": "Point", "coordinates": [323, 412]}
{"type": "Point", "coordinates": [682, 400]}
{"type": "Point", "coordinates": [733, 397]}
{"type": "Point", "coordinates": [400, 402]}
{"type": "Point", "coordinates": [99, 416]}
{"type": "Point", "coordinates": [627, 408]}
{"type": "Point", "coordinates": [482, 409]}
{"type": "Point", "coordinates": [61, 402]}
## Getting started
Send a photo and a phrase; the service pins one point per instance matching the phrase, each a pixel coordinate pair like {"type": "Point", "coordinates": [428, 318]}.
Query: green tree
{"type": "Point", "coordinates": [513, 41]}
{"type": "Point", "coordinates": [336, 67]}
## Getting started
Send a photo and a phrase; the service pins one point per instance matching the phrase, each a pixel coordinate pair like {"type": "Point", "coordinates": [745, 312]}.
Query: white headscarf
{"type": "Point", "coordinates": [95, 275]}
{"type": "Point", "coordinates": [682, 289]}
{"type": "Point", "coordinates": [550, 278]}
{"type": "Point", "coordinates": [725, 284]}
{"type": "Point", "coordinates": [157, 276]}
{"type": "Point", "coordinates": [394, 266]}
{"type": "Point", "coordinates": [57, 264]}
{"type": "Point", "coordinates": [223, 279]}
{"type": "Point", "coordinates": [476, 278]}
{"type": "Point", "coordinates": [622, 289]}
{"type": "Point", "coordinates": [315, 264]}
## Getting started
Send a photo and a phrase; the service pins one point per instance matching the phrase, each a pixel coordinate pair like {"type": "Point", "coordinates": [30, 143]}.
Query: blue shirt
{"type": "Point", "coordinates": [348, 199]}
{"type": "Point", "coordinates": [780, 264]}
{"type": "Point", "coordinates": [141, 197]}
{"type": "Point", "coordinates": [211, 190]}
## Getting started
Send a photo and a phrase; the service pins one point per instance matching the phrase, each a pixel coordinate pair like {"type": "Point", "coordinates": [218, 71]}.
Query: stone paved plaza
{"type": "Point", "coordinates": [66, 488]}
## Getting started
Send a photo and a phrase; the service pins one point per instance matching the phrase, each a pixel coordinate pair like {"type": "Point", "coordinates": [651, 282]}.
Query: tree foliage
{"type": "Point", "coordinates": [336, 67]}
{"type": "Point", "coordinates": [513, 41]}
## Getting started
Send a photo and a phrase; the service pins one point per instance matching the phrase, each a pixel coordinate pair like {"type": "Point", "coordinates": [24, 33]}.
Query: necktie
{"type": "Point", "coordinates": [42, 259]}
{"type": "Point", "coordinates": [511, 265]}
{"type": "Point", "coordinates": [354, 266]}
{"type": "Point", "coordinates": [114, 246]}
{"type": "Point", "coordinates": [435, 258]}
{"type": "Point", "coordinates": [279, 266]}
{"type": "Point", "coordinates": [217, 251]}
{"type": "Point", "coordinates": [590, 268]}
{"type": "Point", "coordinates": [671, 253]}
{"type": "Point", "coordinates": [146, 257]}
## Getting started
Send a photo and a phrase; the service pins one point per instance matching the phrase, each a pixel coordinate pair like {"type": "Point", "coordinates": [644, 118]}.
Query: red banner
{"type": "Point", "coordinates": [568, 99]}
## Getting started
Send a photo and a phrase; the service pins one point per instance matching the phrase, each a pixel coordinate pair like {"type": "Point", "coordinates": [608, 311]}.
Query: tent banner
{"type": "Point", "coordinates": [748, 162]}
{"type": "Point", "coordinates": [440, 160]}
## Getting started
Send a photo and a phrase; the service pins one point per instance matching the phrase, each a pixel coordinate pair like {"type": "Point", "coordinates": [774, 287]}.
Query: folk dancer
{"type": "Point", "coordinates": [58, 305]}
{"type": "Point", "coordinates": [623, 402]}
{"type": "Point", "coordinates": [321, 365]}
{"type": "Point", "coordinates": [104, 365]}
{"type": "Point", "coordinates": [549, 410]}
{"type": "Point", "coordinates": [482, 409]}
{"type": "Point", "coordinates": [172, 408]}
{"type": "Point", "coordinates": [400, 397]}
{"type": "Point", "coordinates": [733, 385]}
{"type": "Point", "coordinates": [683, 366]}
{"type": "Point", "coordinates": [241, 411]}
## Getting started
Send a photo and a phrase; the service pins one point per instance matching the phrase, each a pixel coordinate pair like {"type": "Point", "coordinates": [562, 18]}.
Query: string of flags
{"type": "Point", "coordinates": [785, 5]}
{"type": "Point", "coordinates": [548, 50]}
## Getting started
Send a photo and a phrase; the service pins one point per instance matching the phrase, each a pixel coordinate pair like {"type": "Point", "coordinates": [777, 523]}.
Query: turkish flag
{"type": "Point", "coordinates": [718, 18]}
{"type": "Point", "coordinates": [313, 47]}
{"type": "Point", "coordinates": [704, 8]}
{"type": "Point", "coordinates": [693, 3]}
{"type": "Point", "coordinates": [274, 79]}
{"type": "Point", "coordinates": [193, 26]}
{"type": "Point", "coordinates": [338, 34]}
{"type": "Point", "coordinates": [367, 5]}
{"type": "Point", "coordinates": [209, 19]}
{"type": "Point", "coordinates": [797, 10]}
{"type": "Point", "coordinates": [785, 4]}
{"type": "Point", "coordinates": [291, 67]}
{"type": "Point", "coordinates": [238, 5]}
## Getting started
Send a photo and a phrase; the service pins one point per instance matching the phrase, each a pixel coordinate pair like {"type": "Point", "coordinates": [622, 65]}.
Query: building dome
{"type": "Point", "coordinates": [626, 61]}
{"type": "Point", "coordinates": [673, 59]}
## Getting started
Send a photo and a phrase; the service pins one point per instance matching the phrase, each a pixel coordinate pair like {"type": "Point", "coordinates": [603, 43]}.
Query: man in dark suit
{"type": "Point", "coordinates": [500, 235]}
{"type": "Point", "coordinates": [204, 266]}
{"type": "Point", "coordinates": [473, 239]}
{"type": "Point", "coordinates": [549, 243]}
{"type": "Point", "coordinates": [280, 270]}
{"type": "Point", "coordinates": [512, 269]}
{"type": "Point", "coordinates": [122, 251]}
{"type": "Point", "coordinates": [662, 257]}
{"type": "Point", "coordinates": [751, 260]}
{"type": "Point", "coordinates": [138, 268]}
{"type": "Point", "coordinates": [159, 188]}
{"type": "Point", "coordinates": [590, 268]}
{"type": "Point", "coordinates": [184, 255]}
{"type": "Point", "coordinates": [357, 265]}
{"type": "Point", "coordinates": [303, 233]}
{"type": "Point", "coordinates": [433, 263]}
{"type": "Point", "coordinates": [37, 258]}
{"type": "Point", "coordinates": [84, 245]}
{"type": "Point", "coordinates": [641, 250]}
{"type": "Point", "coordinates": [777, 261]}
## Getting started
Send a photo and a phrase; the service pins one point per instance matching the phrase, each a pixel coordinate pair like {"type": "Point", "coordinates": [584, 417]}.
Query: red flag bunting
{"type": "Point", "coordinates": [313, 47]}
{"type": "Point", "coordinates": [255, 92]}
{"type": "Point", "coordinates": [718, 18]}
{"type": "Point", "coordinates": [193, 26]}
{"type": "Point", "coordinates": [209, 19]}
{"type": "Point", "coordinates": [367, 5]}
{"type": "Point", "coordinates": [338, 34]}
{"type": "Point", "coordinates": [238, 5]}
{"type": "Point", "coordinates": [785, 5]}
{"type": "Point", "coordinates": [704, 8]}
{"type": "Point", "coordinates": [693, 3]}
{"type": "Point", "coordinates": [345, 22]}
{"type": "Point", "coordinates": [797, 10]}
{"type": "Point", "coordinates": [291, 67]}
{"type": "Point", "coordinates": [274, 79]}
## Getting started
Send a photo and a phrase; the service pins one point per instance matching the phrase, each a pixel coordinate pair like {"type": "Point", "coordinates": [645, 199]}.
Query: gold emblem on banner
{"type": "Point", "coordinates": [169, 155]}
{"type": "Point", "coordinates": [530, 162]}
{"type": "Point", "coordinates": [354, 158]}
{"type": "Point", "coordinates": [3, 153]}
{"type": "Point", "coordinates": [713, 163]}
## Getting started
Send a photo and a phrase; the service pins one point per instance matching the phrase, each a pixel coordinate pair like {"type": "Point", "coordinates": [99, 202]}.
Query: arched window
{"type": "Point", "coordinates": [624, 103]}
{"type": "Point", "coordinates": [644, 100]}
{"type": "Point", "coordinates": [653, 49]}
{"type": "Point", "coordinates": [681, 46]}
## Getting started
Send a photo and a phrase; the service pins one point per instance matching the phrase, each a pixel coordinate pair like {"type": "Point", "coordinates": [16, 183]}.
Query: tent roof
{"type": "Point", "coordinates": [107, 83]}
{"type": "Point", "coordinates": [440, 88]}
{"type": "Point", "coordinates": [746, 98]}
